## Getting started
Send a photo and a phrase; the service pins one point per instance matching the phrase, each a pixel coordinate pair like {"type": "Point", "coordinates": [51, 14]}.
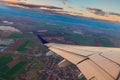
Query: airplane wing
{"type": "Point", "coordinates": [96, 63]}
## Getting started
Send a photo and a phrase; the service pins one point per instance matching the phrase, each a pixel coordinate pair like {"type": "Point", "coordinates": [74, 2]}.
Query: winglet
{"type": "Point", "coordinates": [40, 38]}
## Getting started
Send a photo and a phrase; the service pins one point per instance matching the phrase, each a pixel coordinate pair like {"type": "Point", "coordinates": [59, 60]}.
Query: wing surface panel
{"type": "Point", "coordinates": [96, 63]}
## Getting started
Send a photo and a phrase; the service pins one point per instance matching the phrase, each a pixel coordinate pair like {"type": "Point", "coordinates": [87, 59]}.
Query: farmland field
{"type": "Point", "coordinates": [23, 46]}
{"type": "Point", "coordinates": [5, 60]}
{"type": "Point", "coordinates": [7, 73]}
{"type": "Point", "coordinates": [19, 35]}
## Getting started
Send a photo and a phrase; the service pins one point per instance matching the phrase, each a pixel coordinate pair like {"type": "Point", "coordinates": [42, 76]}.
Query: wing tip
{"type": "Point", "coordinates": [43, 41]}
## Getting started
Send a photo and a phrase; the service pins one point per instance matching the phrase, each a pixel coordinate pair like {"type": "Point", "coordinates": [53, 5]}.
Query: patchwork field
{"type": "Point", "coordinates": [10, 73]}
{"type": "Point", "coordinates": [18, 36]}
{"type": "Point", "coordinates": [24, 45]}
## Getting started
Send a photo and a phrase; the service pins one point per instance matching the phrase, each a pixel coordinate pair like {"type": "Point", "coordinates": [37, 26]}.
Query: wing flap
{"type": "Point", "coordinates": [106, 65]}
{"type": "Point", "coordinates": [64, 63]}
{"type": "Point", "coordinates": [113, 55]}
{"type": "Point", "coordinates": [92, 71]}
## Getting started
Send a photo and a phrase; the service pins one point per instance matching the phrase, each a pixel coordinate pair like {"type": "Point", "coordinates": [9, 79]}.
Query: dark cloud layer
{"type": "Point", "coordinates": [116, 14]}
{"type": "Point", "coordinates": [97, 11]}
{"type": "Point", "coordinates": [36, 6]}
{"type": "Point", "coordinates": [101, 12]}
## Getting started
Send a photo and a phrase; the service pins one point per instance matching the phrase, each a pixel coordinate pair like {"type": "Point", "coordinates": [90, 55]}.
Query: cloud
{"type": "Point", "coordinates": [101, 12]}
{"type": "Point", "coordinates": [36, 6]}
{"type": "Point", "coordinates": [97, 11]}
{"type": "Point", "coordinates": [53, 7]}
{"type": "Point", "coordinates": [69, 12]}
{"type": "Point", "coordinates": [115, 14]}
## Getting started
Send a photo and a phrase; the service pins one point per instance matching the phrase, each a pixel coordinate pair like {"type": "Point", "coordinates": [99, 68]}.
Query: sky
{"type": "Point", "coordinates": [107, 5]}
{"type": "Point", "coordinates": [101, 9]}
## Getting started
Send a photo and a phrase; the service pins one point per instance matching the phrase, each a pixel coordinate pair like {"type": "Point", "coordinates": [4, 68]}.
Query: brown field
{"type": "Point", "coordinates": [13, 63]}
{"type": "Point", "coordinates": [16, 45]}
{"type": "Point", "coordinates": [54, 38]}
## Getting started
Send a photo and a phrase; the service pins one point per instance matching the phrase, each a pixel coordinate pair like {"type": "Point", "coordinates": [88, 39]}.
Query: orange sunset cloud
{"type": "Point", "coordinates": [11, 0]}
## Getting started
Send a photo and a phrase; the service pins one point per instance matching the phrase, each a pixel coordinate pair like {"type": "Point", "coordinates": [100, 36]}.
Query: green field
{"type": "Point", "coordinates": [87, 40]}
{"type": "Point", "coordinates": [81, 40]}
{"type": "Point", "coordinates": [5, 60]}
{"type": "Point", "coordinates": [23, 47]}
{"type": "Point", "coordinates": [43, 49]}
{"type": "Point", "coordinates": [16, 68]}
{"type": "Point", "coordinates": [7, 73]}
{"type": "Point", "coordinates": [19, 36]}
